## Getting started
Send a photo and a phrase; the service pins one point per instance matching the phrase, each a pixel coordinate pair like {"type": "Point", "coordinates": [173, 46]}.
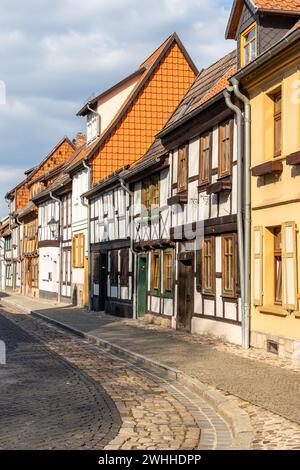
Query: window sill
{"type": "Point", "coordinates": [219, 187]}
{"type": "Point", "coordinates": [229, 297]}
{"type": "Point", "coordinates": [266, 168]}
{"type": "Point", "coordinates": [179, 198]}
{"type": "Point", "coordinates": [210, 295]}
{"type": "Point", "coordinates": [274, 310]}
{"type": "Point", "coordinates": [154, 294]}
{"type": "Point", "coordinates": [222, 177]}
{"type": "Point", "coordinates": [293, 159]}
{"type": "Point", "coordinates": [169, 295]}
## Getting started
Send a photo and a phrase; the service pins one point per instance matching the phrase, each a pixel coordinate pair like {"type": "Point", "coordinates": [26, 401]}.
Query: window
{"type": "Point", "coordinates": [78, 251]}
{"type": "Point", "coordinates": [114, 262]}
{"type": "Point", "coordinates": [35, 272]}
{"type": "Point", "coordinates": [155, 273]}
{"type": "Point", "coordinates": [93, 127]}
{"type": "Point", "coordinates": [150, 193]}
{"type": "Point", "coordinates": [225, 148]}
{"type": "Point", "coordinates": [277, 124]}
{"type": "Point", "coordinates": [8, 272]}
{"type": "Point", "coordinates": [248, 45]}
{"type": "Point", "coordinates": [168, 273]}
{"type": "Point", "coordinates": [277, 266]}
{"type": "Point", "coordinates": [124, 271]}
{"type": "Point", "coordinates": [182, 171]}
{"type": "Point", "coordinates": [155, 191]}
{"type": "Point", "coordinates": [208, 266]}
{"type": "Point", "coordinates": [7, 244]}
{"type": "Point", "coordinates": [205, 158]}
{"type": "Point", "coordinates": [229, 265]}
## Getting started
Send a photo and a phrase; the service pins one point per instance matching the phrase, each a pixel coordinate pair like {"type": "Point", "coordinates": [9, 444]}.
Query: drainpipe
{"type": "Point", "coordinates": [240, 225]}
{"type": "Point", "coordinates": [133, 251]}
{"type": "Point", "coordinates": [60, 235]}
{"type": "Point", "coordinates": [247, 208]}
{"type": "Point", "coordinates": [88, 205]}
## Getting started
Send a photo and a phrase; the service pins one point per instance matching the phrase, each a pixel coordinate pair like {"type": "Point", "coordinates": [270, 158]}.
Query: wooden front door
{"type": "Point", "coordinates": [185, 295]}
{"type": "Point", "coordinates": [66, 275]}
{"type": "Point", "coordinates": [103, 281]}
{"type": "Point", "coordinates": [142, 286]}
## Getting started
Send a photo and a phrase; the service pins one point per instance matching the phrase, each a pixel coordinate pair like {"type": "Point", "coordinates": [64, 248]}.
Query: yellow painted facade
{"type": "Point", "coordinates": [275, 201]}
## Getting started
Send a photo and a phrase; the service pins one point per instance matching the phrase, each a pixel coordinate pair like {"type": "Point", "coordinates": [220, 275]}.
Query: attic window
{"type": "Point", "coordinates": [93, 127]}
{"type": "Point", "coordinates": [248, 45]}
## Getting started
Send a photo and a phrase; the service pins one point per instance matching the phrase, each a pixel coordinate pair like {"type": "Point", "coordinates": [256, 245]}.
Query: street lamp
{"type": "Point", "coordinates": [53, 225]}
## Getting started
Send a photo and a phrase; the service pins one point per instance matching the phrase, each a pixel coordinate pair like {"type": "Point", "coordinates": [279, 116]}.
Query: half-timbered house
{"type": "Point", "coordinates": [55, 232]}
{"type": "Point", "coordinates": [24, 215]}
{"type": "Point", "coordinates": [201, 139]}
{"type": "Point", "coordinates": [149, 180]}
{"type": "Point", "coordinates": [160, 83]}
{"type": "Point", "coordinates": [149, 97]}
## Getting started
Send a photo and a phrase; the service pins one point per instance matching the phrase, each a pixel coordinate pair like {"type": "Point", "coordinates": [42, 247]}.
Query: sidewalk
{"type": "Point", "coordinates": [272, 387]}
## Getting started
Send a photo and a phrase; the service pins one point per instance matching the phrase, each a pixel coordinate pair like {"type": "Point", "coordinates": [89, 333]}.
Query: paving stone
{"type": "Point", "coordinates": [135, 422]}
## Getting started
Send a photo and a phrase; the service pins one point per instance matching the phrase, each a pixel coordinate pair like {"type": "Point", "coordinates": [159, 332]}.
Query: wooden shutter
{"type": "Point", "coordinates": [258, 266]}
{"type": "Point", "coordinates": [289, 266]}
{"type": "Point", "coordinates": [81, 250]}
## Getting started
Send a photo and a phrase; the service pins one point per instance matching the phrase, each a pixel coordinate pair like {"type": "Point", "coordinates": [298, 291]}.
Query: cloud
{"type": "Point", "coordinates": [55, 54]}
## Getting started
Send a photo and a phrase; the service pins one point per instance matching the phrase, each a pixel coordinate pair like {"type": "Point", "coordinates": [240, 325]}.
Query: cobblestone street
{"type": "Point", "coordinates": [59, 392]}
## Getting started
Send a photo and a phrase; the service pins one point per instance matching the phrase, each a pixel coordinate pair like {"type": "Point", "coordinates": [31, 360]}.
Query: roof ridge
{"type": "Point", "coordinates": [135, 92]}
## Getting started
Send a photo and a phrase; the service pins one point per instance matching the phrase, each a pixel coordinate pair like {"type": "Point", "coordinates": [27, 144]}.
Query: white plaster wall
{"type": "Point", "coordinates": [109, 105]}
{"type": "Point", "coordinates": [194, 157]}
{"type": "Point", "coordinates": [79, 211]}
{"type": "Point", "coordinates": [48, 263]}
{"type": "Point", "coordinates": [225, 331]}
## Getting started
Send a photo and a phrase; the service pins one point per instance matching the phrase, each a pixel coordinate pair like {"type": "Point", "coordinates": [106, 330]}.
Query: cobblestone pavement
{"type": "Point", "coordinates": [262, 382]}
{"type": "Point", "coordinates": [154, 413]}
{"type": "Point", "coordinates": [39, 408]}
{"type": "Point", "coordinates": [272, 431]}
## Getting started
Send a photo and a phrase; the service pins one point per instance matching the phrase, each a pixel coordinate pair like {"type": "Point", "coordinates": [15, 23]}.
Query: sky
{"type": "Point", "coordinates": [55, 54]}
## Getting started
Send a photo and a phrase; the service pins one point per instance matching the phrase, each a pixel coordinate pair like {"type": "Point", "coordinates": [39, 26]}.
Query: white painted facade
{"type": "Point", "coordinates": [213, 314]}
{"type": "Point", "coordinates": [110, 233]}
{"type": "Point", "coordinates": [48, 254]}
{"type": "Point", "coordinates": [78, 226]}
{"type": "Point", "coordinates": [152, 234]}
{"type": "Point", "coordinates": [107, 106]}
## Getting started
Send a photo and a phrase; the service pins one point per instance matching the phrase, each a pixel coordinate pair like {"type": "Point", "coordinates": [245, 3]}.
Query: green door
{"type": "Point", "coordinates": [142, 286]}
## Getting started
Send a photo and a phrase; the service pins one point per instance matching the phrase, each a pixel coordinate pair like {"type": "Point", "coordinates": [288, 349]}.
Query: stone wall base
{"type": "Point", "coordinates": [287, 347]}
{"type": "Point", "coordinates": [157, 320]}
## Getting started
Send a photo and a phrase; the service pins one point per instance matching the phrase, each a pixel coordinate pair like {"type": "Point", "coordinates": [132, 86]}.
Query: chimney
{"type": "Point", "coordinates": [80, 139]}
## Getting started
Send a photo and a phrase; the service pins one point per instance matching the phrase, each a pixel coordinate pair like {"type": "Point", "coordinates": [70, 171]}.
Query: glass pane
{"type": "Point", "coordinates": [251, 35]}
{"type": "Point", "coordinates": [253, 49]}
{"type": "Point", "coordinates": [247, 54]}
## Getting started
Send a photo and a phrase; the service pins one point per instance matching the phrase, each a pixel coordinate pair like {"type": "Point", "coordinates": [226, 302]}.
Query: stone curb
{"type": "Point", "coordinates": [237, 419]}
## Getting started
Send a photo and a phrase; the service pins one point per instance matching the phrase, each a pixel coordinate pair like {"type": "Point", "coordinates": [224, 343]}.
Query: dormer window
{"type": "Point", "coordinates": [93, 127]}
{"type": "Point", "coordinates": [248, 45]}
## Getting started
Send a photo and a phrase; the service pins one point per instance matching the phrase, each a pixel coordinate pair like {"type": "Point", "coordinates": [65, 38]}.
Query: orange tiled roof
{"type": "Point", "coordinates": [282, 5]}
{"type": "Point", "coordinates": [167, 74]}
{"type": "Point", "coordinates": [63, 178]}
